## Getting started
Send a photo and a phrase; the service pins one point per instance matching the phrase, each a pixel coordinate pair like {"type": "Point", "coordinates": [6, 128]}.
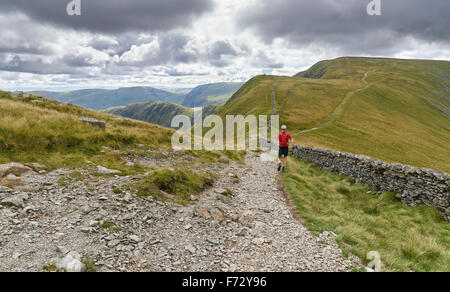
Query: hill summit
{"type": "Point", "coordinates": [390, 109]}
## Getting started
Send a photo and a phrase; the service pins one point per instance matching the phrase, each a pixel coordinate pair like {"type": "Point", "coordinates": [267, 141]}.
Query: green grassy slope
{"type": "Point", "coordinates": [214, 93]}
{"type": "Point", "coordinates": [36, 129]}
{"type": "Point", "coordinates": [157, 112]}
{"type": "Point", "coordinates": [407, 238]}
{"type": "Point", "coordinates": [51, 133]}
{"type": "Point", "coordinates": [99, 99]}
{"type": "Point", "coordinates": [399, 113]}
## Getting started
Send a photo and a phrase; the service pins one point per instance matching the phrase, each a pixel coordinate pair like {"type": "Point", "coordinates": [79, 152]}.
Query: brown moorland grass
{"type": "Point", "coordinates": [51, 133]}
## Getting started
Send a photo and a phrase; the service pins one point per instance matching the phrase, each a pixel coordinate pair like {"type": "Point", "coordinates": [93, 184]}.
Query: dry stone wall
{"type": "Point", "coordinates": [412, 184]}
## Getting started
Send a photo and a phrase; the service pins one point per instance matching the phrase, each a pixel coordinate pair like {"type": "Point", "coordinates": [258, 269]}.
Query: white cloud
{"type": "Point", "coordinates": [213, 48]}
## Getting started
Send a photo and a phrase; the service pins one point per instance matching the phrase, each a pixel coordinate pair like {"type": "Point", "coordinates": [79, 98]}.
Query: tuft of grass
{"type": "Point", "coordinates": [343, 190]}
{"type": "Point", "coordinates": [63, 181]}
{"type": "Point", "coordinates": [76, 175]}
{"type": "Point", "coordinates": [109, 225]}
{"type": "Point", "coordinates": [51, 268]}
{"type": "Point", "coordinates": [177, 184]}
{"type": "Point", "coordinates": [408, 238]}
{"type": "Point", "coordinates": [117, 191]}
{"type": "Point", "coordinates": [238, 156]}
{"type": "Point", "coordinates": [89, 265]}
{"type": "Point", "coordinates": [228, 193]}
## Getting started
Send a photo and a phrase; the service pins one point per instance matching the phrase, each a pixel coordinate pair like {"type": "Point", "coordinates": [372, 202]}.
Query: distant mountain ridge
{"type": "Point", "coordinates": [213, 93]}
{"type": "Point", "coordinates": [100, 99]}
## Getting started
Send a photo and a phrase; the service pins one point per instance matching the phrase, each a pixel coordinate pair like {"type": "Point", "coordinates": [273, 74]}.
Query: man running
{"type": "Point", "coordinates": [283, 139]}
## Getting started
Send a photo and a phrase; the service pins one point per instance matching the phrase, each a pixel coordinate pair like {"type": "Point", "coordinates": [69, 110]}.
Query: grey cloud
{"type": "Point", "coordinates": [125, 42]}
{"type": "Point", "coordinates": [20, 36]}
{"type": "Point", "coordinates": [174, 48]}
{"type": "Point", "coordinates": [220, 62]}
{"type": "Point", "coordinates": [222, 53]}
{"type": "Point", "coordinates": [37, 66]}
{"type": "Point", "coordinates": [113, 16]}
{"type": "Point", "coordinates": [23, 48]}
{"type": "Point", "coordinates": [102, 43]}
{"type": "Point", "coordinates": [171, 50]}
{"type": "Point", "coordinates": [222, 48]}
{"type": "Point", "coordinates": [260, 59]}
{"type": "Point", "coordinates": [346, 25]}
{"type": "Point", "coordinates": [81, 60]}
{"type": "Point", "coordinates": [176, 73]}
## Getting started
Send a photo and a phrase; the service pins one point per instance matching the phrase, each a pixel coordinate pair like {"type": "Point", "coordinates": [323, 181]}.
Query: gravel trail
{"type": "Point", "coordinates": [252, 230]}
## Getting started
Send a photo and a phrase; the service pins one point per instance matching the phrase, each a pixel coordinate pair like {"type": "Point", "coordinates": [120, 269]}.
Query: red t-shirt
{"type": "Point", "coordinates": [284, 139]}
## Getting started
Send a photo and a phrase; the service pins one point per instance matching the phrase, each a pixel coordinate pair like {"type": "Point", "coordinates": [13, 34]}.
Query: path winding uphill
{"type": "Point", "coordinates": [338, 111]}
{"type": "Point", "coordinates": [276, 240]}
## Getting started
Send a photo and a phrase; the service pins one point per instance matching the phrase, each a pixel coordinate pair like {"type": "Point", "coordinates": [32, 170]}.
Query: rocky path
{"type": "Point", "coordinates": [271, 239]}
{"type": "Point", "coordinates": [273, 95]}
{"type": "Point", "coordinates": [274, 100]}
{"type": "Point", "coordinates": [251, 230]}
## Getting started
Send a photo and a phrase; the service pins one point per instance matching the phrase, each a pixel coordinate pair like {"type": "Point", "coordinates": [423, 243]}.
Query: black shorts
{"type": "Point", "coordinates": [284, 151]}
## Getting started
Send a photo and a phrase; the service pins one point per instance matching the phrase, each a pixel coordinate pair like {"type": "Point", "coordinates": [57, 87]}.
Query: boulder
{"type": "Point", "coordinates": [37, 166]}
{"type": "Point", "coordinates": [217, 214]}
{"type": "Point", "coordinates": [5, 190]}
{"type": "Point", "coordinates": [14, 201]}
{"type": "Point", "coordinates": [94, 122]}
{"type": "Point", "coordinates": [11, 179]}
{"type": "Point", "coordinates": [104, 170]}
{"type": "Point", "coordinates": [71, 263]}
{"type": "Point", "coordinates": [202, 212]}
{"type": "Point", "coordinates": [17, 94]}
{"type": "Point", "coordinates": [13, 168]}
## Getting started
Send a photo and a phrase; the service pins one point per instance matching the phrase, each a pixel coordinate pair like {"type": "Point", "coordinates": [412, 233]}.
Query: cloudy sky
{"type": "Point", "coordinates": [183, 43]}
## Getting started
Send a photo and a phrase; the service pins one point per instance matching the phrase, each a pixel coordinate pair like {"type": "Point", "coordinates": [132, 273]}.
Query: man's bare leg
{"type": "Point", "coordinates": [285, 161]}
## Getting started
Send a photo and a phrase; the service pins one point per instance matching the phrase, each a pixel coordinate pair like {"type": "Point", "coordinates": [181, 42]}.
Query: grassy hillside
{"type": "Point", "coordinates": [35, 129]}
{"type": "Point", "coordinates": [214, 93]}
{"type": "Point", "coordinates": [157, 112]}
{"type": "Point", "coordinates": [407, 238]}
{"type": "Point", "coordinates": [390, 109]}
{"type": "Point", "coordinates": [99, 99]}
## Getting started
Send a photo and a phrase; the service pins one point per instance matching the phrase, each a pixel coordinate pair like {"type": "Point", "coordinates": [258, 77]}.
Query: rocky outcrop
{"type": "Point", "coordinates": [19, 94]}
{"type": "Point", "coordinates": [104, 170]}
{"type": "Point", "coordinates": [71, 263]}
{"type": "Point", "coordinates": [412, 184]}
{"type": "Point", "coordinates": [94, 122]}
{"type": "Point", "coordinates": [17, 200]}
{"type": "Point", "coordinates": [13, 168]}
